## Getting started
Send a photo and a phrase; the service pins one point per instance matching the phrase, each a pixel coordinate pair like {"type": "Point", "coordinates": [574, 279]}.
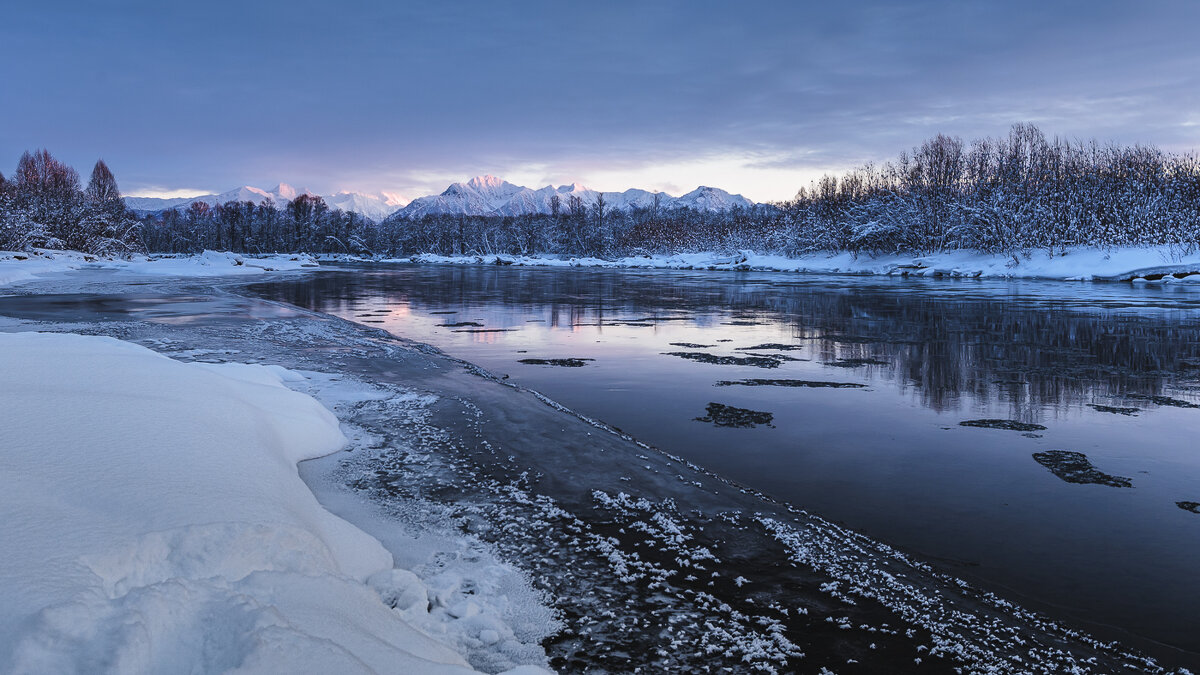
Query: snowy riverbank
{"type": "Point", "coordinates": [24, 266]}
{"type": "Point", "coordinates": [1076, 264]}
{"type": "Point", "coordinates": [1138, 264]}
{"type": "Point", "coordinates": [154, 521]}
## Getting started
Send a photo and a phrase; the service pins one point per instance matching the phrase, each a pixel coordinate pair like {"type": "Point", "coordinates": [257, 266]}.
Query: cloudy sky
{"type": "Point", "coordinates": [754, 97]}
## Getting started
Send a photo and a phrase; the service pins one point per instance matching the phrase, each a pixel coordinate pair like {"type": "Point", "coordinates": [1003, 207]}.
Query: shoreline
{"type": "Point", "coordinates": [1161, 265]}
{"type": "Point", "coordinates": [515, 433]}
{"type": "Point", "coordinates": [1144, 264]}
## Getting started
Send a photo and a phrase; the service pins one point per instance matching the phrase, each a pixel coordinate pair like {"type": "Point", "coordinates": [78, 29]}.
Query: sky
{"type": "Point", "coordinates": [758, 98]}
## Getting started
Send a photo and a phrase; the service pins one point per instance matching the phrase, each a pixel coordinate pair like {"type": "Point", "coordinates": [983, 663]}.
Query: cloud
{"type": "Point", "coordinates": [161, 192]}
{"type": "Point", "coordinates": [409, 97]}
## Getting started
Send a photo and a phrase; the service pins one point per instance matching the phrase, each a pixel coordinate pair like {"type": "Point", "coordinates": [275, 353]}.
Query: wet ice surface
{"type": "Point", "coordinates": [650, 561]}
{"type": "Point", "coordinates": [876, 442]}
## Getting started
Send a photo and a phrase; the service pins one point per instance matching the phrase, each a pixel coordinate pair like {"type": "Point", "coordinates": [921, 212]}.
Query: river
{"type": "Point", "coordinates": [1038, 438]}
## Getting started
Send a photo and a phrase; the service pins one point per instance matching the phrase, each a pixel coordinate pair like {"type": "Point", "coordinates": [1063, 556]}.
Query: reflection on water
{"type": "Point", "coordinates": [175, 309]}
{"type": "Point", "coordinates": [946, 340]}
{"type": "Point", "coordinates": [1038, 437]}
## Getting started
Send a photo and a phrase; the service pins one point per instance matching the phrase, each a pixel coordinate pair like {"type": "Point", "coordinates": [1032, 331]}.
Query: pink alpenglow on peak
{"type": "Point", "coordinates": [491, 196]}
{"type": "Point", "coordinates": [485, 195]}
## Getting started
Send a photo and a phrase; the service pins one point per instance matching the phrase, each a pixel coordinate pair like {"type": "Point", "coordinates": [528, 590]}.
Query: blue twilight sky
{"type": "Point", "coordinates": [755, 97]}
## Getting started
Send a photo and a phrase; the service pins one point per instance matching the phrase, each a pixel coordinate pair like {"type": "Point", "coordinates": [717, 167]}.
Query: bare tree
{"type": "Point", "coordinates": [102, 187]}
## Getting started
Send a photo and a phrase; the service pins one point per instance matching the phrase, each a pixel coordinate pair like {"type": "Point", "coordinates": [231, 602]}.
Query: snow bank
{"type": "Point", "coordinates": [153, 520]}
{"type": "Point", "coordinates": [214, 263]}
{"type": "Point", "coordinates": [1074, 264]}
{"type": "Point", "coordinates": [17, 267]}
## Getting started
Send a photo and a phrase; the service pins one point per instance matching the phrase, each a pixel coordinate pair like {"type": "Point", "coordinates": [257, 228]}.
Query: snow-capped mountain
{"type": "Point", "coordinates": [373, 206]}
{"type": "Point", "coordinates": [706, 198]}
{"type": "Point", "coordinates": [280, 196]}
{"type": "Point", "coordinates": [480, 196]}
{"type": "Point", "coordinates": [488, 195]}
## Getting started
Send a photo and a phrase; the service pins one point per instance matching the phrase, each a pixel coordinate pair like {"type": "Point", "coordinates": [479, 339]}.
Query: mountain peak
{"type": "Point", "coordinates": [393, 198]}
{"type": "Point", "coordinates": [490, 196]}
{"type": "Point", "coordinates": [714, 199]}
{"type": "Point", "coordinates": [486, 181]}
{"type": "Point", "coordinates": [285, 191]}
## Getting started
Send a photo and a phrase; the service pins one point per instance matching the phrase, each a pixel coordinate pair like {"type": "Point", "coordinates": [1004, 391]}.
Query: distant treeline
{"type": "Point", "coordinates": [305, 224]}
{"type": "Point", "coordinates": [1006, 195]}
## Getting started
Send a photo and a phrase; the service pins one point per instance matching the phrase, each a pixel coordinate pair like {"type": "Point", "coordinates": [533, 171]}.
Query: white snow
{"type": "Point", "coordinates": [153, 520]}
{"type": "Point", "coordinates": [16, 267]}
{"type": "Point", "coordinates": [1077, 264]}
{"type": "Point", "coordinates": [373, 206]}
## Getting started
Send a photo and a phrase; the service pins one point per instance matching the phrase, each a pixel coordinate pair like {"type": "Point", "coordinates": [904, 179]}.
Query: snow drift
{"type": "Point", "coordinates": [154, 521]}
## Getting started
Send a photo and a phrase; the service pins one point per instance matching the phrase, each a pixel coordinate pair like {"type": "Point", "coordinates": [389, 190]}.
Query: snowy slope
{"type": "Point", "coordinates": [153, 521]}
{"type": "Point", "coordinates": [488, 195]}
{"type": "Point", "coordinates": [478, 196]}
{"type": "Point", "coordinates": [373, 206]}
{"type": "Point", "coordinates": [712, 199]}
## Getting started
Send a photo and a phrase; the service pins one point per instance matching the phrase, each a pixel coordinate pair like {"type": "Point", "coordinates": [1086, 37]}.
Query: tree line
{"type": "Point", "coordinates": [44, 206]}
{"type": "Point", "coordinates": [304, 224]}
{"type": "Point", "coordinates": [1008, 195]}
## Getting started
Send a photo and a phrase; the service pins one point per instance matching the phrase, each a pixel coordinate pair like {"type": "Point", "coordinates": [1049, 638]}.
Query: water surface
{"type": "Point", "coordinates": [1082, 404]}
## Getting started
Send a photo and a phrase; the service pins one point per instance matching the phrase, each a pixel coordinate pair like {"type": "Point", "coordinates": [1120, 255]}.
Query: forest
{"type": "Point", "coordinates": [1005, 195]}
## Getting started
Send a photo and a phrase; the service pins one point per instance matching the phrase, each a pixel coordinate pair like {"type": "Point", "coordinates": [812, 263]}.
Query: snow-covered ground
{"type": "Point", "coordinates": [23, 266]}
{"type": "Point", "coordinates": [1077, 264]}
{"type": "Point", "coordinates": [153, 520]}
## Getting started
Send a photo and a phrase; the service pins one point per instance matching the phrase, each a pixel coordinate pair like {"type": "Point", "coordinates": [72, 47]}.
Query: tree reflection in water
{"type": "Point", "coordinates": [944, 340]}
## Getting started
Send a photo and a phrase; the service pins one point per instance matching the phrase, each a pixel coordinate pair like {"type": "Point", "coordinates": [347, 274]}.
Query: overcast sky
{"type": "Point", "coordinates": [754, 97]}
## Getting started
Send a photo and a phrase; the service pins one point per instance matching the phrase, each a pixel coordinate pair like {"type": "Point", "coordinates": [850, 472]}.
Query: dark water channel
{"type": "Point", "coordinates": [1041, 438]}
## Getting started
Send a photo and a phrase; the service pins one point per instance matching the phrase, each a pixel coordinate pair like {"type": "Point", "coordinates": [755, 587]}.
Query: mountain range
{"type": "Point", "coordinates": [480, 196]}
{"type": "Point", "coordinates": [373, 206]}
{"type": "Point", "coordinates": [491, 196]}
